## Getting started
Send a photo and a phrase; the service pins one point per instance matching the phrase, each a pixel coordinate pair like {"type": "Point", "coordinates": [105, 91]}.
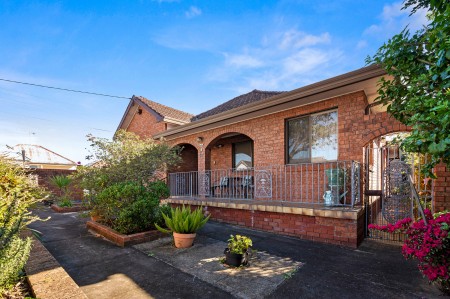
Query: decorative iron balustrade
{"type": "Point", "coordinates": [328, 183]}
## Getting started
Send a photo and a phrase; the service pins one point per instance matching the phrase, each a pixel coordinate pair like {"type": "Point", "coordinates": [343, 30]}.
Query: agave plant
{"type": "Point", "coordinates": [183, 220]}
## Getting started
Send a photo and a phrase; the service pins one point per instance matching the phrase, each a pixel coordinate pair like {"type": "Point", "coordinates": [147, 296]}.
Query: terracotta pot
{"type": "Point", "coordinates": [183, 240]}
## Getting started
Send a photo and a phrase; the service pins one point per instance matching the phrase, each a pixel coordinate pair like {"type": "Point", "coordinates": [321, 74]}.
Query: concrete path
{"type": "Point", "coordinates": [103, 270]}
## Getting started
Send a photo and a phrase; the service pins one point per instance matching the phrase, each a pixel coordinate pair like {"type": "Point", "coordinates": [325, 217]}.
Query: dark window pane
{"type": "Point", "coordinates": [243, 155]}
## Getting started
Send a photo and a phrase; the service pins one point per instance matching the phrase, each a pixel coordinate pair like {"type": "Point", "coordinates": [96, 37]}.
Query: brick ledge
{"type": "Point", "coordinates": [288, 208]}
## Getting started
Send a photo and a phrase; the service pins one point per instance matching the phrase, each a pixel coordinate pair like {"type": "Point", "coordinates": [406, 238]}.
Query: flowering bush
{"type": "Point", "coordinates": [428, 243]}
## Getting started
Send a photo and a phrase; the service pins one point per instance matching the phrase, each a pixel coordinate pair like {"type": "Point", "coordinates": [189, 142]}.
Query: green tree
{"type": "Point", "coordinates": [126, 158]}
{"type": "Point", "coordinates": [17, 195]}
{"type": "Point", "coordinates": [417, 90]}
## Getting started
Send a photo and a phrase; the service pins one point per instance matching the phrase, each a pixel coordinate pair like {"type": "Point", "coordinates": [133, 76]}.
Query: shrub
{"type": "Point", "coordinates": [65, 202]}
{"type": "Point", "coordinates": [122, 185]}
{"type": "Point", "coordinates": [137, 217]}
{"type": "Point", "coordinates": [130, 207]}
{"type": "Point", "coordinates": [126, 158]}
{"type": "Point", "coordinates": [18, 194]}
{"type": "Point", "coordinates": [158, 189]}
{"type": "Point", "coordinates": [113, 199]}
{"type": "Point", "coordinates": [428, 243]}
{"type": "Point", "coordinates": [183, 221]}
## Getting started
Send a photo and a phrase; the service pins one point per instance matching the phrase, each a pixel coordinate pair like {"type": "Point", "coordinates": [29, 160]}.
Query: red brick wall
{"type": "Point", "coordinates": [441, 188]}
{"type": "Point", "coordinates": [145, 125]}
{"type": "Point", "coordinates": [44, 176]}
{"type": "Point", "coordinates": [222, 157]}
{"type": "Point", "coordinates": [189, 157]}
{"type": "Point", "coordinates": [329, 230]}
{"type": "Point", "coordinates": [355, 130]}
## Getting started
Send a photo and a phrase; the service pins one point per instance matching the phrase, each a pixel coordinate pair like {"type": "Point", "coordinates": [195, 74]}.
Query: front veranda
{"type": "Point", "coordinates": [318, 201]}
{"type": "Point", "coordinates": [328, 184]}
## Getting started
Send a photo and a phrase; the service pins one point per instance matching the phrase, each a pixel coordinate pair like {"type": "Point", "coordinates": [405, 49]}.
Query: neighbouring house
{"type": "Point", "coordinates": [313, 162]}
{"type": "Point", "coordinates": [38, 157]}
{"type": "Point", "coordinates": [43, 164]}
{"type": "Point", "coordinates": [147, 118]}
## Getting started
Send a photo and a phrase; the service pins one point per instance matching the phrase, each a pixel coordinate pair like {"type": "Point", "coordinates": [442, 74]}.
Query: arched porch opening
{"type": "Point", "coordinates": [229, 162]}
{"type": "Point", "coordinates": [183, 178]}
{"type": "Point", "coordinates": [189, 158]}
{"type": "Point", "coordinates": [230, 151]}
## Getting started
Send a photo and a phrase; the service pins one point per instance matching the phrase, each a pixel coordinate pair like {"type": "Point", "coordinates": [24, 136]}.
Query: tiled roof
{"type": "Point", "coordinates": [165, 111]}
{"type": "Point", "coordinates": [37, 154]}
{"type": "Point", "coordinates": [253, 96]}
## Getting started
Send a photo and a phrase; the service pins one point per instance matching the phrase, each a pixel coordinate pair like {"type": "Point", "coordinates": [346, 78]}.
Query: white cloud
{"type": "Point", "coordinates": [193, 12]}
{"type": "Point", "coordinates": [265, 81]}
{"type": "Point", "coordinates": [283, 60]}
{"type": "Point", "coordinates": [304, 61]}
{"type": "Point", "coordinates": [298, 39]}
{"type": "Point", "coordinates": [242, 61]}
{"type": "Point", "coordinates": [361, 44]}
{"type": "Point", "coordinates": [393, 19]}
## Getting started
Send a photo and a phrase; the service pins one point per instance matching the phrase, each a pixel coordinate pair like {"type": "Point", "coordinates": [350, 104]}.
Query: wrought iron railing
{"type": "Point", "coordinates": [327, 183]}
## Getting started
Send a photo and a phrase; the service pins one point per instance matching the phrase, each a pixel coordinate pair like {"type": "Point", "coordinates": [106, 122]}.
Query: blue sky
{"type": "Point", "coordinates": [190, 55]}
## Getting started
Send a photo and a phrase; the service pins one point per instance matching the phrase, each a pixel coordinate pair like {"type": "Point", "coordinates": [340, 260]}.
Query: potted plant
{"type": "Point", "coordinates": [236, 253]}
{"type": "Point", "coordinates": [183, 223]}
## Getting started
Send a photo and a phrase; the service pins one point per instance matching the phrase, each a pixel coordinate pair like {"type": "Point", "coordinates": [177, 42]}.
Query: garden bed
{"type": "Point", "coordinates": [74, 208]}
{"type": "Point", "coordinates": [121, 239]}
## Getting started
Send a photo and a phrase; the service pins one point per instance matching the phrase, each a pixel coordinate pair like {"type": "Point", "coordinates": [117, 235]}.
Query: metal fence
{"type": "Point", "coordinates": [328, 183]}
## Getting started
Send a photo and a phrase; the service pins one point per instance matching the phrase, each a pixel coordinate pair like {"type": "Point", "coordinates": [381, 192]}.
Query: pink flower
{"type": "Point", "coordinates": [428, 243]}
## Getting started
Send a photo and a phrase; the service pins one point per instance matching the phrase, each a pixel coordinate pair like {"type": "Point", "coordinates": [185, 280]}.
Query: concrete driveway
{"type": "Point", "coordinates": [103, 270]}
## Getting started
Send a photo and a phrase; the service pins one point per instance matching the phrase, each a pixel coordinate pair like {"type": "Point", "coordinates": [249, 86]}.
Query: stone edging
{"type": "Point", "coordinates": [59, 209]}
{"type": "Point", "coordinates": [121, 239]}
{"type": "Point", "coordinates": [46, 276]}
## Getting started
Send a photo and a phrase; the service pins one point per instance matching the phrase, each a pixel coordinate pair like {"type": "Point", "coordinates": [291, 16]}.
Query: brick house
{"type": "Point", "coordinates": [304, 163]}
{"type": "Point", "coordinates": [147, 118]}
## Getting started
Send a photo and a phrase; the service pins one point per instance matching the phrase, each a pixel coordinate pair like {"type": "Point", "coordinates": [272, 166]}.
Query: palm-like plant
{"type": "Point", "coordinates": [183, 220]}
{"type": "Point", "coordinates": [62, 182]}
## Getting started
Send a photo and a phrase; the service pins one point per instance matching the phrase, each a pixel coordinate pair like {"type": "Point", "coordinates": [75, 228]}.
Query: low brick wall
{"type": "Point", "coordinates": [121, 239]}
{"type": "Point", "coordinates": [341, 226]}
